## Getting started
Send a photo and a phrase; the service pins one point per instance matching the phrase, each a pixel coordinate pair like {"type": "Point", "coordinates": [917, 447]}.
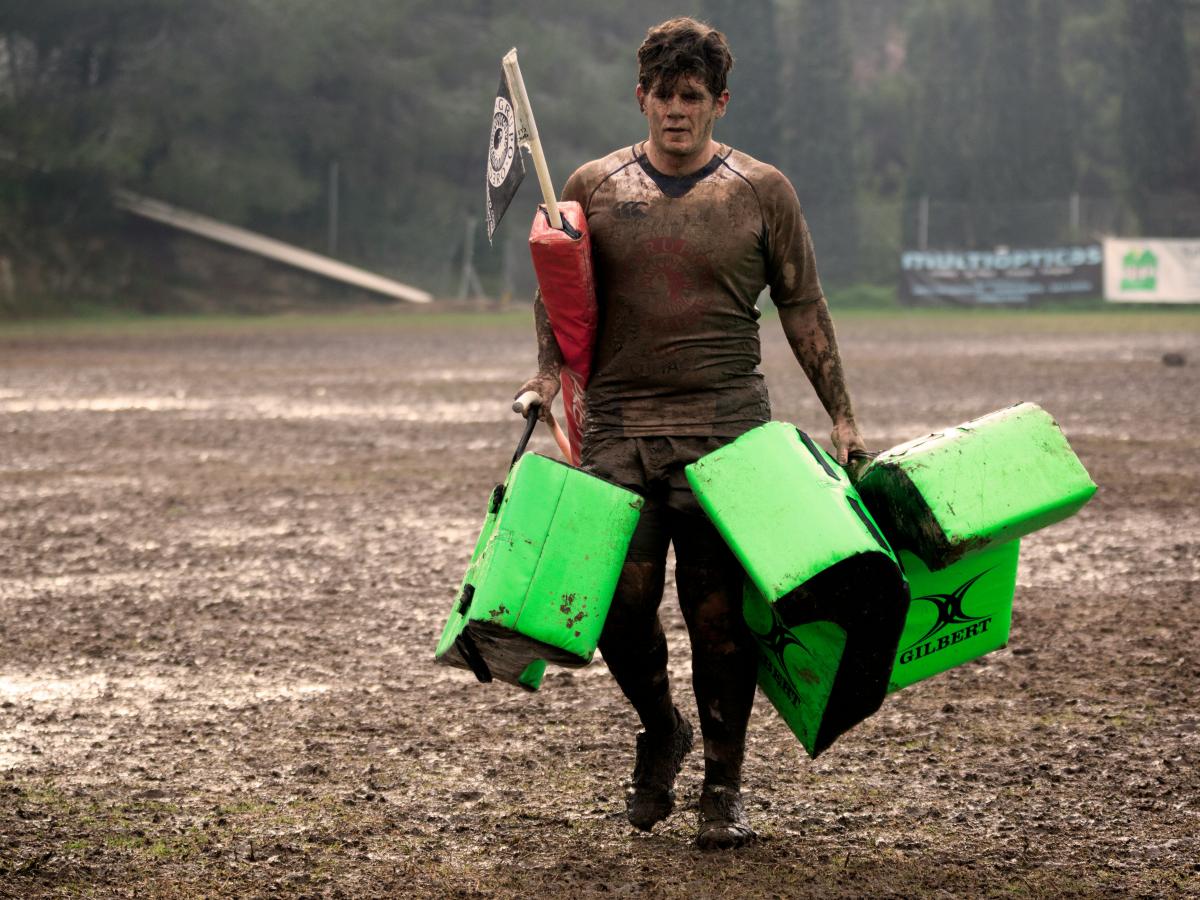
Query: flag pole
{"type": "Point", "coordinates": [516, 87]}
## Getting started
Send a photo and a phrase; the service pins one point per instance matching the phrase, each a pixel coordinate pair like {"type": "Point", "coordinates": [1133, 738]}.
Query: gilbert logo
{"type": "Point", "coordinates": [775, 643]}
{"type": "Point", "coordinates": [949, 614]}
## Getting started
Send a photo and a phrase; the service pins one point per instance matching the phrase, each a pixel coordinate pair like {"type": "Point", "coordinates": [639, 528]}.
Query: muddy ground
{"type": "Point", "coordinates": [228, 549]}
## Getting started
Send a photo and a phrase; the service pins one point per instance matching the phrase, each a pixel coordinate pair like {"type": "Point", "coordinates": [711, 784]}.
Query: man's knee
{"type": "Point", "coordinates": [634, 645]}
{"type": "Point", "coordinates": [711, 600]}
{"type": "Point", "coordinates": [634, 609]}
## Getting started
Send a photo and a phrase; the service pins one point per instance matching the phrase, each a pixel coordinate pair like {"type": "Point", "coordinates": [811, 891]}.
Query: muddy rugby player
{"type": "Point", "coordinates": [686, 233]}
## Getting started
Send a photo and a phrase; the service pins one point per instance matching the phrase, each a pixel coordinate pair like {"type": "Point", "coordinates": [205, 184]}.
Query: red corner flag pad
{"type": "Point", "coordinates": [563, 262]}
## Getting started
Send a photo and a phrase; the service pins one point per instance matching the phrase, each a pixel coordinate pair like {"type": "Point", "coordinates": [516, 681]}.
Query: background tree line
{"type": "Point", "coordinates": [240, 108]}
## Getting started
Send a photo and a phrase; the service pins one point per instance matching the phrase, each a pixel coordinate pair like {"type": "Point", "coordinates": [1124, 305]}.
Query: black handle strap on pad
{"type": "Point", "coordinates": [531, 421]}
{"type": "Point", "coordinates": [818, 455]}
{"type": "Point", "coordinates": [464, 602]}
{"type": "Point", "coordinates": [862, 454]}
{"type": "Point", "coordinates": [568, 229]}
{"type": "Point", "coordinates": [857, 463]}
{"type": "Point", "coordinates": [466, 646]}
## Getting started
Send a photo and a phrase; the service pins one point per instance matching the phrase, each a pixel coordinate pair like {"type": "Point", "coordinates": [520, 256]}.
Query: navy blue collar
{"type": "Point", "coordinates": [676, 186]}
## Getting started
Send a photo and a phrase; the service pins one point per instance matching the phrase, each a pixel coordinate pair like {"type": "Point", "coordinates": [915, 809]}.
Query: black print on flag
{"type": "Point", "coordinates": [505, 168]}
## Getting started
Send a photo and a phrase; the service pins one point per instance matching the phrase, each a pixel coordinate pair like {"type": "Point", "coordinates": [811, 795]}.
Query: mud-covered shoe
{"type": "Point", "coordinates": [723, 822]}
{"type": "Point", "coordinates": [659, 759]}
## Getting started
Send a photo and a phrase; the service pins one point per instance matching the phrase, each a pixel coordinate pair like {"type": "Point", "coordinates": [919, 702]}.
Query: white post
{"type": "Point", "coordinates": [516, 87]}
{"type": "Point", "coordinates": [506, 274]}
{"type": "Point", "coordinates": [8, 284]}
{"type": "Point", "coordinates": [333, 207]}
{"type": "Point", "coordinates": [923, 223]}
{"type": "Point", "coordinates": [465, 281]}
{"type": "Point", "coordinates": [1074, 215]}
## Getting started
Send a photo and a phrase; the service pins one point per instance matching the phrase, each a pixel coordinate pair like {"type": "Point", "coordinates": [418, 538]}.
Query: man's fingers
{"type": "Point", "coordinates": [841, 453]}
{"type": "Point", "coordinates": [525, 401]}
{"type": "Point", "coordinates": [539, 391]}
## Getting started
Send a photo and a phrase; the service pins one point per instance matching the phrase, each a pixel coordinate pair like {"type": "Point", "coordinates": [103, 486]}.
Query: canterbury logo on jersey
{"type": "Point", "coordinates": [630, 209]}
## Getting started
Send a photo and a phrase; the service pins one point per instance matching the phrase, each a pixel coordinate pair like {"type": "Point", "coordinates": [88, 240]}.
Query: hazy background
{"type": "Point", "coordinates": [998, 111]}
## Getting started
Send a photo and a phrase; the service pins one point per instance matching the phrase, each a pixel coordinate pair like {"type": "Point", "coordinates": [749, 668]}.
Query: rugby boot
{"type": "Point", "coordinates": [723, 822]}
{"type": "Point", "coordinates": [659, 759]}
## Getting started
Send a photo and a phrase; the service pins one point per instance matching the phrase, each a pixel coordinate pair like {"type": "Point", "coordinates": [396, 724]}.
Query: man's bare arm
{"type": "Point", "coordinates": [546, 382]}
{"type": "Point", "coordinates": [809, 331]}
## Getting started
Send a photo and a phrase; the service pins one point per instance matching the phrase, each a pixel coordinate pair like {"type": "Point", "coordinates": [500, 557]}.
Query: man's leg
{"type": "Point", "coordinates": [724, 669]}
{"type": "Point", "coordinates": [635, 649]}
{"type": "Point", "coordinates": [633, 644]}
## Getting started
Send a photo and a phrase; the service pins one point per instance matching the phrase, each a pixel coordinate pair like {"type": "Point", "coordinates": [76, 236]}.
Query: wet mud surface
{"type": "Point", "coordinates": [228, 554]}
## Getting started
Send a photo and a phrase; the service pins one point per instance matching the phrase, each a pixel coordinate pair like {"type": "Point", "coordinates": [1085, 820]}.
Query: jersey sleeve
{"type": "Point", "coordinates": [576, 187]}
{"type": "Point", "coordinates": [791, 262]}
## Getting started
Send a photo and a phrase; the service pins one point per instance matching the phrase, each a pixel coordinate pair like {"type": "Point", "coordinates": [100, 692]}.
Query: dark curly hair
{"type": "Point", "coordinates": [681, 47]}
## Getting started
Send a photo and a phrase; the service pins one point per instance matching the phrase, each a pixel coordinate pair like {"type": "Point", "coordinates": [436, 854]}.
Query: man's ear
{"type": "Point", "coordinates": [641, 98]}
{"type": "Point", "coordinates": [721, 102]}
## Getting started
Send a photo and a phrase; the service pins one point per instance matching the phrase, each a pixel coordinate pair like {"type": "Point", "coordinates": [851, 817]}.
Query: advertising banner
{"type": "Point", "coordinates": [1160, 270]}
{"type": "Point", "coordinates": [1004, 276]}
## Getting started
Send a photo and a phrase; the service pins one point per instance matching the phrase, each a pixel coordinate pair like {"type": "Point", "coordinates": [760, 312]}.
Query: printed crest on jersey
{"type": "Point", "coordinates": [670, 269]}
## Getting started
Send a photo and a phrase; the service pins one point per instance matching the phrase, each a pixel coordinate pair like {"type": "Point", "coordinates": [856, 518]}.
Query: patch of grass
{"type": "Point", "coordinates": [863, 296]}
{"type": "Point", "coordinates": [996, 322]}
{"type": "Point", "coordinates": [1060, 717]}
{"type": "Point", "coordinates": [1016, 888]}
{"type": "Point", "coordinates": [318, 809]}
{"type": "Point", "coordinates": [46, 794]}
{"type": "Point", "coordinates": [190, 844]}
{"type": "Point", "coordinates": [242, 807]}
{"type": "Point", "coordinates": [864, 304]}
{"type": "Point", "coordinates": [386, 318]}
{"type": "Point", "coordinates": [125, 841]}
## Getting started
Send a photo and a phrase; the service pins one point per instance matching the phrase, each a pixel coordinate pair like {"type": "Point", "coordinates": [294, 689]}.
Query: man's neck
{"type": "Point", "coordinates": [669, 164]}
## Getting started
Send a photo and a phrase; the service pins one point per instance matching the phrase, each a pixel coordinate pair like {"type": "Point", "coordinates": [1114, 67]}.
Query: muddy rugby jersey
{"type": "Point", "coordinates": [680, 262]}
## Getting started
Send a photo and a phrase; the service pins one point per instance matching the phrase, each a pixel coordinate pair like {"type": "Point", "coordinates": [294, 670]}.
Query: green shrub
{"type": "Point", "coordinates": [863, 296]}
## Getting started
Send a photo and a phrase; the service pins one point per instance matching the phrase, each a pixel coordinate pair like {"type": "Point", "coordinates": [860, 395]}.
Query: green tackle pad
{"type": "Point", "coordinates": [957, 614]}
{"type": "Point", "coordinates": [975, 486]}
{"type": "Point", "coordinates": [826, 598]}
{"type": "Point", "coordinates": [542, 575]}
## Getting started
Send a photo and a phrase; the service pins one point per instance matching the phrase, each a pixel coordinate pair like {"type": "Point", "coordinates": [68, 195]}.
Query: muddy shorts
{"type": "Point", "coordinates": [653, 467]}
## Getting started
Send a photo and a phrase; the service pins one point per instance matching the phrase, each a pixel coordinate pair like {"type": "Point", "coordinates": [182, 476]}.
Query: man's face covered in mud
{"type": "Point", "coordinates": [681, 115]}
